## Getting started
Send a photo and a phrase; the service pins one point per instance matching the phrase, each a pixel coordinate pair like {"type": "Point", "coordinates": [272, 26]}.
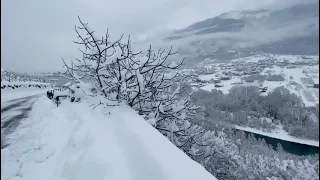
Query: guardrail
{"type": "Point", "coordinates": [58, 99]}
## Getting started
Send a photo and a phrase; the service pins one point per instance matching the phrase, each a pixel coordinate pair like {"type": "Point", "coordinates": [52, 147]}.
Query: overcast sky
{"type": "Point", "coordinates": [35, 34]}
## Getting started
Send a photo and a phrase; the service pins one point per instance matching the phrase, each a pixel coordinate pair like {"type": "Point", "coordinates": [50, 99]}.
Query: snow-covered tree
{"type": "Point", "coordinates": [144, 80]}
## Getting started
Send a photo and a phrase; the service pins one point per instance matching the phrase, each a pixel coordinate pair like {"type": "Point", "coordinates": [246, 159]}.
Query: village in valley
{"type": "Point", "coordinates": [299, 74]}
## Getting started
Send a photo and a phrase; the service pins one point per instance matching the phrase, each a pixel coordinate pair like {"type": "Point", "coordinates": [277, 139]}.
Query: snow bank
{"type": "Point", "coordinates": [10, 94]}
{"type": "Point", "coordinates": [73, 142]}
{"type": "Point", "coordinates": [280, 134]}
{"type": "Point", "coordinates": [23, 83]}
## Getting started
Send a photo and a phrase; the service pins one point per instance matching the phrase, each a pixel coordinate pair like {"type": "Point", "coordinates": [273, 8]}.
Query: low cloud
{"type": "Point", "coordinates": [36, 34]}
{"type": "Point", "coordinates": [258, 33]}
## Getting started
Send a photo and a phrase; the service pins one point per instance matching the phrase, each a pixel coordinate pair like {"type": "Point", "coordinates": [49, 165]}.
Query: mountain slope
{"type": "Point", "coordinates": [292, 30]}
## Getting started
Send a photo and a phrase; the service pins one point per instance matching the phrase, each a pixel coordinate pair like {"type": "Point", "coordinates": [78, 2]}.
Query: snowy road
{"type": "Point", "coordinates": [12, 113]}
{"type": "Point", "coordinates": [73, 142]}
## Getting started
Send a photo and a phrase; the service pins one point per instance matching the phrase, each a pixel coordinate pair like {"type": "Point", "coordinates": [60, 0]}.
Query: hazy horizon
{"type": "Point", "coordinates": [37, 34]}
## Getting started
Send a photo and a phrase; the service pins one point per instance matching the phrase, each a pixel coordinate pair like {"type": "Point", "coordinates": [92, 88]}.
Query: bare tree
{"type": "Point", "coordinates": [142, 79]}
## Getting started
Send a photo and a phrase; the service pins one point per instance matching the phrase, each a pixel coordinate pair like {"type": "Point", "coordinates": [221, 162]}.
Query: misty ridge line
{"type": "Point", "coordinates": [250, 36]}
{"type": "Point", "coordinates": [256, 33]}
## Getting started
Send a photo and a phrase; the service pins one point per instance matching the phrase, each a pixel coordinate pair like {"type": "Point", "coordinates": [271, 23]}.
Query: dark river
{"type": "Point", "coordinates": [290, 147]}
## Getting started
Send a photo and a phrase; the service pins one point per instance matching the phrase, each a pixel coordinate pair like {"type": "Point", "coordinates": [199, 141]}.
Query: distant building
{"type": "Point", "coordinates": [218, 85]}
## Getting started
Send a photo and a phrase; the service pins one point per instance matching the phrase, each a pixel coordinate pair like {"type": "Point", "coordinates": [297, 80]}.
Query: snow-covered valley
{"type": "Point", "coordinates": [163, 90]}
{"type": "Point", "coordinates": [298, 74]}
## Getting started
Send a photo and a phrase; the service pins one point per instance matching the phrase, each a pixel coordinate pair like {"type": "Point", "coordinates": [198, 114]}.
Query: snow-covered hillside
{"type": "Point", "coordinates": [74, 142]}
{"type": "Point", "coordinates": [290, 29]}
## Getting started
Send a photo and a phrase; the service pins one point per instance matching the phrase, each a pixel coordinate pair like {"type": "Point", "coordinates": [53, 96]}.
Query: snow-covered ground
{"type": "Point", "coordinates": [296, 79]}
{"type": "Point", "coordinates": [294, 82]}
{"type": "Point", "coordinates": [73, 142]}
{"type": "Point", "coordinates": [227, 85]}
{"type": "Point", "coordinates": [23, 83]}
{"type": "Point", "coordinates": [10, 94]}
{"type": "Point", "coordinates": [279, 133]}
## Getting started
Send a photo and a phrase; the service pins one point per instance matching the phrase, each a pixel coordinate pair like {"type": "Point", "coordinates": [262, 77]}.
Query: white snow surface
{"type": "Point", "coordinates": [292, 82]}
{"type": "Point", "coordinates": [279, 133]}
{"type": "Point", "coordinates": [23, 83]}
{"type": "Point", "coordinates": [227, 85]}
{"type": "Point", "coordinates": [10, 94]}
{"type": "Point", "coordinates": [73, 142]}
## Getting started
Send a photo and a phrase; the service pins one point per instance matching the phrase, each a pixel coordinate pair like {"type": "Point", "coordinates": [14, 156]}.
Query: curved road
{"type": "Point", "coordinates": [12, 113]}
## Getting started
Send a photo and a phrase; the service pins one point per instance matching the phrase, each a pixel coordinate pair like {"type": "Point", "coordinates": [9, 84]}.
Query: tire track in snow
{"type": "Point", "coordinates": [14, 105]}
{"type": "Point", "coordinates": [13, 114]}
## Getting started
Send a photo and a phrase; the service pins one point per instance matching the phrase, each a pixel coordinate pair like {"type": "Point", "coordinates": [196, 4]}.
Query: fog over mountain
{"type": "Point", "coordinates": [199, 29]}
{"type": "Point", "coordinates": [291, 30]}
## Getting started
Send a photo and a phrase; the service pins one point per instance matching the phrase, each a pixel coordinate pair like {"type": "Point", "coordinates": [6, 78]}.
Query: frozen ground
{"type": "Point", "coordinates": [72, 142]}
{"type": "Point", "coordinates": [279, 133]}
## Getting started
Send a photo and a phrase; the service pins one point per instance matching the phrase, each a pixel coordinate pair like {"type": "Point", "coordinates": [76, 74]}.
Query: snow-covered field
{"type": "Point", "coordinates": [279, 133]}
{"type": "Point", "coordinates": [227, 85]}
{"type": "Point", "coordinates": [294, 82]}
{"type": "Point", "coordinates": [298, 80]}
{"type": "Point", "coordinates": [72, 142]}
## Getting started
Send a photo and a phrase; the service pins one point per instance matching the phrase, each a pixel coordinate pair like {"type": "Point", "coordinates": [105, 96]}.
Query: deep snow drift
{"type": "Point", "coordinates": [74, 142]}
